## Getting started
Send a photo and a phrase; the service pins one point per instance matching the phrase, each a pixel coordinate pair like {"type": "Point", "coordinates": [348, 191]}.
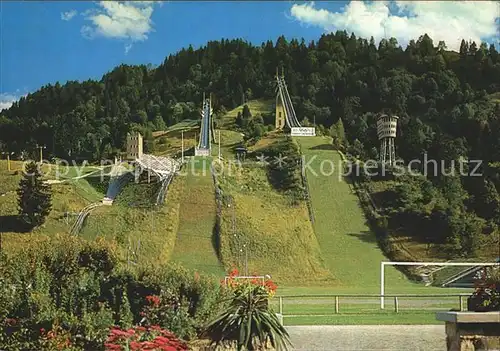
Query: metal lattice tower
{"type": "Point", "coordinates": [386, 131]}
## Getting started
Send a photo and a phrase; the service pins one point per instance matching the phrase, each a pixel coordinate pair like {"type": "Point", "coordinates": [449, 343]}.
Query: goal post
{"type": "Point", "coordinates": [389, 263]}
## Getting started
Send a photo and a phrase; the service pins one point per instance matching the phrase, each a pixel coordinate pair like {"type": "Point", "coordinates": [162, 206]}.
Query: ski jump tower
{"type": "Point", "coordinates": [204, 145]}
{"type": "Point", "coordinates": [285, 113]}
{"type": "Point", "coordinates": [386, 131]}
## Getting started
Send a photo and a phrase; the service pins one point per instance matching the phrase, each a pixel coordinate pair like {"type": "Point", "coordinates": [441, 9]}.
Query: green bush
{"type": "Point", "coordinates": [66, 291]}
{"type": "Point", "coordinates": [284, 168]}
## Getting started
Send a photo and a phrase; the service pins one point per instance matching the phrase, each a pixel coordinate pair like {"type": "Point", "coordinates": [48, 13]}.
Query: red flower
{"type": "Point", "coordinates": [148, 345]}
{"type": "Point", "coordinates": [161, 340]}
{"type": "Point", "coordinates": [165, 341]}
{"type": "Point", "coordinates": [169, 348]}
{"type": "Point", "coordinates": [134, 345]}
{"type": "Point", "coordinates": [112, 347]}
{"type": "Point", "coordinates": [153, 299]}
{"type": "Point", "coordinates": [42, 330]}
{"type": "Point", "coordinates": [119, 332]}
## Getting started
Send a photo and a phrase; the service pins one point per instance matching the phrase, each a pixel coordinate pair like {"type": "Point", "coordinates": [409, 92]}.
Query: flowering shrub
{"type": "Point", "coordinates": [143, 338]}
{"type": "Point", "coordinates": [56, 339]}
{"type": "Point", "coordinates": [68, 293]}
{"type": "Point", "coordinates": [238, 285]}
{"type": "Point", "coordinates": [167, 311]}
{"type": "Point", "coordinates": [486, 295]}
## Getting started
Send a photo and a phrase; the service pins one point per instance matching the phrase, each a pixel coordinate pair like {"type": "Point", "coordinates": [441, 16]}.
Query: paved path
{"type": "Point", "coordinates": [368, 337]}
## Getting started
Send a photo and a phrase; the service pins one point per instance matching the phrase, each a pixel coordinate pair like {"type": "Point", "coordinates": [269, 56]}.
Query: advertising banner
{"type": "Point", "coordinates": [303, 131]}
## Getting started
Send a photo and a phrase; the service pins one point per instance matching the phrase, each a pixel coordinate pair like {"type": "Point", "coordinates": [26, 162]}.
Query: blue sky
{"type": "Point", "coordinates": [43, 43]}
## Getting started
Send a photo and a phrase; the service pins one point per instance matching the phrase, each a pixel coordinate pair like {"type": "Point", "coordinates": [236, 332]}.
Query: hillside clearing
{"type": "Point", "coordinates": [256, 107]}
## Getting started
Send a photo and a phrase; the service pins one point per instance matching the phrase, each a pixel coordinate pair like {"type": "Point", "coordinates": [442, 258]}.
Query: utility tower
{"type": "Point", "coordinates": [386, 131]}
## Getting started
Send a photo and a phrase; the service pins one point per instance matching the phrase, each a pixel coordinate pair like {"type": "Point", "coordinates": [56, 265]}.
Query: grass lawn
{"type": "Point", "coordinates": [143, 232]}
{"type": "Point", "coordinates": [9, 180]}
{"type": "Point", "coordinates": [256, 107]}
{"type": "Point", "coordinates": [170, 144]}
{"type": "Point", "coordinates": [195, 244]}
{"type": "Point", "coordinates": [263, 232]}
{"type": "Point", "coordinates": [318, 311]}
{"type": "Point", "coordinates": [391, 287]}
{"type": "Point", "coordinates": [229, 139]}
{"type": "Point", "coordinates": [278, 235]}
{"type": "Point", "coordinates": [186, 124]}
{"type": "Point", "coordinates": [348, 248]}
{"type": "Point", "coordinates": [67, 172]}
{"type": "Point", "coordinates": [86, 188]}
{"type": "Point", "coordinates": [65, 198]}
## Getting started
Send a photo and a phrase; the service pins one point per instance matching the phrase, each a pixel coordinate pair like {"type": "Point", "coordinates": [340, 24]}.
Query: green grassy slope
{"type": "Point", "coordinates": [194, 246]}
{"type": "Point", "coordinates": [256, 107]}
{"type": "Point", "coordinates": [349, 249]}
{"type": "Point", "coordinates": [141, 231]}
{"type": "Point", "coordinates": [278, 236]}
{"type": "Point", "coordinates": [69, 197]}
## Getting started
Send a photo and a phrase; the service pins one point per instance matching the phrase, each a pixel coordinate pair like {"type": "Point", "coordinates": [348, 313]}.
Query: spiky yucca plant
{"type": "Point", "coordinates": [248, 322]}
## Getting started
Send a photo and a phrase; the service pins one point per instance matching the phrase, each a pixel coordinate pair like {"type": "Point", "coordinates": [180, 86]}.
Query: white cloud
{"type": "Point", "coordinates": [450, 21]}
{"type": "Point", "coordinates": [127, 48]}
{"type": "Point", "coordinates": [125, 20]}
{"type": "Point", "coordinates": [67, 16]}
{"type": "Point", "coordinates": [7, 99]}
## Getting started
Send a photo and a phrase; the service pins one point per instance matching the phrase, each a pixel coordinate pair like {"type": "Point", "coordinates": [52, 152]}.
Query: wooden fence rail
{"type": "Point", "coordinates": [335, 301]}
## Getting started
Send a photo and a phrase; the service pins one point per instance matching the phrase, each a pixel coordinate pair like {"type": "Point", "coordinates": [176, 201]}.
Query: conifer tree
{"type": "Point", "coordinates": [34, 197]}
{"type": "Point", "coordinates": [239, 120]}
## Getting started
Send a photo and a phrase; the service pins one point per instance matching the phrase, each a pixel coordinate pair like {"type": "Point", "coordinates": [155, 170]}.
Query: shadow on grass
{"type": "Point", "coordinates": [12, 224]}
{"type": "Point", "coordinates": [348, 180]}
{"type": "Point", "coordinates": [323, 147]}
{"type": "Point", "coordinates": [216, 239]}
{"type": "Point", "coordinates": [187, 152]}
{"type": "Point", "coordinates": [99, 184]}
{"type": "Point", "coordinates": [234, 146]}
{"type": "Point", "coordinates": [365, 236]}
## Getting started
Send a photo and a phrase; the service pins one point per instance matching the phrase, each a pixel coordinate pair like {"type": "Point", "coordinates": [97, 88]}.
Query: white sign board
{"type": "Point", "coordinates": [201, 152]}
{"type": "Point", "coordinates": [303, 131]}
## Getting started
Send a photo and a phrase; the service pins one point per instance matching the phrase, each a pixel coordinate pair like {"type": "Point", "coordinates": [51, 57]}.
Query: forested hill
{"type": "Point", "coordinates": [445, 99]}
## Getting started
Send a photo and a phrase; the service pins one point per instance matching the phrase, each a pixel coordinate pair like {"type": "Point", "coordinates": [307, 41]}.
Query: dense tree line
{"type": "Point", "coordinates": [436, 93]}
{"type": "Point", "coordinates": [447, 103]}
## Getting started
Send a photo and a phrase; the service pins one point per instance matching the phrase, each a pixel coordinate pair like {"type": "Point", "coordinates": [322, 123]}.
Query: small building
{"type": "Point", "coordinates": [134, 146]}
